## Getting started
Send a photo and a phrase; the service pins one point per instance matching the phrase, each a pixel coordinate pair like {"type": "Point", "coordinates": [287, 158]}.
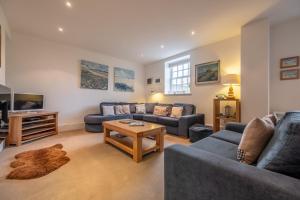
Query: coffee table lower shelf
{"type": "Point", "coordinates": [136, 149]}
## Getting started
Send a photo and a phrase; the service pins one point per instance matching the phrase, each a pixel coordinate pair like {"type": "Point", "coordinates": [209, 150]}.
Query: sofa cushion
{"type": "Point", "coordinates": [118, 109]}
{"type": "Point", "coordinates": [108, 110]}
{"type": "Point", "coordinates": [188, 109]}
{"type": "Point", "coordinates": [107, 104]}
{"type": "Point", "coordinates": [168, 121]}
{"type": "Point", "coordinates": [161, 111]}
{"type": "Point", "coordinates": [98, 119]}
{"type": "Point", "coordinates": [150, 107]}
{"type": "Point", "coordinates": [216, 146]}
{"type": "Point", "coordinates": [140, 108]}
{"type": "Point", "coordinates": [176, 112]}
{"type": "Point", "coordinates": [255, 138]}
{"type": "Point", "coordinates": [228, 136]}
{"type": "Point", "coordinates": [282, 153]}
{"type": "Point", "coordinates": [150, 118]}
{"type": "Point", "coordinates": [137, 116]}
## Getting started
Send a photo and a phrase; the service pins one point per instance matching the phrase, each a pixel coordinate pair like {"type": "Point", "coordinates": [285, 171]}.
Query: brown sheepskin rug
{"type": "Point", "coordinates": [37, 163]}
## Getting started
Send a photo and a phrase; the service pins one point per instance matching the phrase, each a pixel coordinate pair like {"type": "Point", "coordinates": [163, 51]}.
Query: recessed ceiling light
{"type": "Point", "coordinates": [162, 46]}
{"type": "Point", "coordinates": [193, 32]}
{"type": "Point", "coordinates": [68, 4]}
{"type": "Point", "coordinates": [60, 29]}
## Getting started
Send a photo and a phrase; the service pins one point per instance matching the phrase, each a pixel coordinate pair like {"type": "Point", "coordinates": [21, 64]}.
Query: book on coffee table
{"type": "Point", "coordinates": [136, 123]}
{"type": "Point", "coordinates": [126, 121]}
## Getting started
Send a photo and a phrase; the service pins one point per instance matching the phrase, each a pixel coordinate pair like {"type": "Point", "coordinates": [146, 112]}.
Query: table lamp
{"type": "Point", "coordinates": [231, 79]}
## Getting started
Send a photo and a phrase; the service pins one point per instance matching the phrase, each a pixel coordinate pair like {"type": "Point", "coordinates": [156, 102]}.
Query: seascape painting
{"type": "Point", "coordinates": [93, 75]}
{"type": "Point", "coordinates": [207, 73]}
{"type": "Point", "coordinates": [123, 80]}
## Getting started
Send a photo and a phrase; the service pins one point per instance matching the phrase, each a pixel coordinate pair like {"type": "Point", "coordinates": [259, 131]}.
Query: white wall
{"type": "Point", "coordinates": [285, 42]}
{"type": "Point", "coordinates": [228, 51]}
{"type": "Point", "coordinates": [5, 33]}
{"type": "Point", "coordinates": [255, 58]}
{"type": "Point", "coordinates": [41, 66]}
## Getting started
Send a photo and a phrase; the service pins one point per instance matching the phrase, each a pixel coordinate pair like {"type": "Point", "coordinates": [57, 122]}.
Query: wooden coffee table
{"type": "Point", "coordinates": [136, 133]}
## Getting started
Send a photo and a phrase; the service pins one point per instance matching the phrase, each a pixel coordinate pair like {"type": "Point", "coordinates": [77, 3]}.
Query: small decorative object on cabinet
{"type": "Point", "coordinates": [230, 116]}
{"type": "Point", "coordinates": [29, 126]}
{"type": "Point", "coordinates": [231, 80]}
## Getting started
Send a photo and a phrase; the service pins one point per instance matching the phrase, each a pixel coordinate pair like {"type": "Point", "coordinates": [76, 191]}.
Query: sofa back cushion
{"type": "Point", "coordinates": [188, 109]}
{"type": "Point", "coordinates": [150, 107]}
{"type": "Point", "coordinates": [282, 154]}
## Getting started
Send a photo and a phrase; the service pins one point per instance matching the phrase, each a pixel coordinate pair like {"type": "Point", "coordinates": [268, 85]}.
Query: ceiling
{"type": "Point", "coordinates": [135, 29]}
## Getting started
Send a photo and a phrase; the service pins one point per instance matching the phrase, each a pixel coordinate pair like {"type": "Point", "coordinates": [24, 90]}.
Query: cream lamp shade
{"type": "Point", "coordinates": [231, 79]}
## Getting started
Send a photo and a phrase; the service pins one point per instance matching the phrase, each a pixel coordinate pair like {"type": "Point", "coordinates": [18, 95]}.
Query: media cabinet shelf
{"type": "Point", "coordinates": [29, 126]}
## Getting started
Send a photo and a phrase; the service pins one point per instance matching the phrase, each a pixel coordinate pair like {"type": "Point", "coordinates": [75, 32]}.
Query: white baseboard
{"type": "Point", "coordinates": [70, 127]}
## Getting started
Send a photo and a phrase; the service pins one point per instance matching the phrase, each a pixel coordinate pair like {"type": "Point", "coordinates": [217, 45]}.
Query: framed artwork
{"type": "Point", "coordinates": [289, 62]}
{"type": "Point", "coordinates": [124, 80]}
{"type": "Point", "coordinates": [157, 80]}
{"type": "Point", "coordinates": [149, 81]}
{"type": "Point", "coordinates": [289, 74]}
{"type": "Point", "coordinates": [93, 75]}
{"type": "Point", "coordinates": [207, 73]}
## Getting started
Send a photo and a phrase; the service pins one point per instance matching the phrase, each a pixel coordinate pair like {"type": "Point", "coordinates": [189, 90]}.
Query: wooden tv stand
{"type": "Point", "coordinates": [29, 126]}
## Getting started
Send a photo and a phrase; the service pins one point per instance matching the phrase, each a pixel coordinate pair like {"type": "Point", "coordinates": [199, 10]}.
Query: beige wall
{"type": "Point", "coordinates": [40, 66]}
{"type": "Point", "coordinates": [228, 51]}
{"type": "Point", "coordinates": [5, 34]}
{"type": "Point", "coordinates": [255, 69]}
{"type": "Point", "coordinates": [285, 42]}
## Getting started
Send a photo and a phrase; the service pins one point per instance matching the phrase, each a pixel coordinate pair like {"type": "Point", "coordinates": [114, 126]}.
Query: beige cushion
{"type": "Point", "coordinates": [126, 109]}
{"type": "Point", "coordinates": [119, 110]}
{"type": "Point", "coordinates": [161, 110]}
{"type": "Point", "coordinates": [140, 108]}
{"type": "Point", "coordinates": [176, 112]}
{"type": "Point", "coordinates": [108, 110]}
{"type": "Point", "coordinates": [256, 136]}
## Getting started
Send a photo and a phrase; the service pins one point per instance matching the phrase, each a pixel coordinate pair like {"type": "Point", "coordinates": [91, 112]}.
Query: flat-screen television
{"type": "Point", "coordinates": [6, 95]}
{"type": "Point", "coordinates": [28, 102]}
{"type": "Point", "coordinates": [5, 102]}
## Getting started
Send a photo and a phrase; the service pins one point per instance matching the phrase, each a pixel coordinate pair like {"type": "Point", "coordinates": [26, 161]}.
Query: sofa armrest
{"type": "Point", "coordinates": [186, 121]}
{"type": "Point", "coordinates": [235, 126]}
{"type": "Point", "coordinates": [192, 174]}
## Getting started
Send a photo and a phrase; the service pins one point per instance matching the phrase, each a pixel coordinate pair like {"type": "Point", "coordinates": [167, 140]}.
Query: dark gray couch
{"type": "Point", "coordinates": [180, 127]}
{"type": "Point", "coordinates": [209, 170]}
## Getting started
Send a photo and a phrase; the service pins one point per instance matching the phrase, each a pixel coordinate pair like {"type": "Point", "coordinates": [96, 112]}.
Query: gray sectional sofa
{"type": "Point", "coordinates": [180, 127]}
{"type": "Point", "coordinates": [209, 170]}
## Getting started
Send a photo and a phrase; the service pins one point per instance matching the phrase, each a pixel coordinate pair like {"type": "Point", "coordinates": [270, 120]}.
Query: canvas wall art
{"type": "Point", "coordinates": [207, 73]}
{"type": "Point", "coordinates": [123, 80]}
{"type": "Point", "coordinates": [94, 75]}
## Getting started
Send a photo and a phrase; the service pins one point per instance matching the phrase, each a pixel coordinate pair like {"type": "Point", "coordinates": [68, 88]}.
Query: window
{"type": "Point", "coordinates": [178, 76]}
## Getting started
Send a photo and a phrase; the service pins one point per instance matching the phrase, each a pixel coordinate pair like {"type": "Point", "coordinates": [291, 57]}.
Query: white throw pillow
{"type": "Point", "coordinates": [108, 110]}
{"type": "Point", "coordinates": [140, 108]}
{"type": "Point", "coordinates": [119, 110]}
{"type": "Point", "coordinates": [126, 109]}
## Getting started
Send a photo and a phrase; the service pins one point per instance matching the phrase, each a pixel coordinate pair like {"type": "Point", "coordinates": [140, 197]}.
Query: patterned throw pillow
{"type": "Point", "coordinates": [176, 112]}
{"type": "Point", "coordinates": [255, 137]}
{"type": "Point", "coordinates": [108, 110]}
{"type": "Point", "coordinates": [126, 109]}
{"type": "Point", "coordinates": [119, 110]}
{"type": "Point", "coordinates": [161, 110]}
{"type": "Point", "coordinates": [140, 108]}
